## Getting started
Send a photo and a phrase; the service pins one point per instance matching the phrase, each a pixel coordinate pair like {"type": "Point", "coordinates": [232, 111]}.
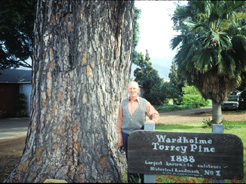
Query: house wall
{"type": "Point", "coordinates": [26, 90]}
{"type": "Point", "coordinates": [8, 97]}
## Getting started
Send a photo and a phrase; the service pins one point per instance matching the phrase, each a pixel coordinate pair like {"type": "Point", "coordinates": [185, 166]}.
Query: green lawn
{"type": "Point", "coordinates": [237, 128]}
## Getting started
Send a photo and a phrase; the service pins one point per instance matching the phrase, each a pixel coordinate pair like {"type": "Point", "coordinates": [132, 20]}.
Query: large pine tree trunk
{"type": "Point", "coordinates": [82, 59]}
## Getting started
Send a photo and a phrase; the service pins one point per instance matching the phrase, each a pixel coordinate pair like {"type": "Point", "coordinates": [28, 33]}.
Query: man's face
{"type": "Point", "coordinates": [133, 90]}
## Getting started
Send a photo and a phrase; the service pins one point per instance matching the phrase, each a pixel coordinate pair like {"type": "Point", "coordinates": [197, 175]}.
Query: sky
{"type": "Point", "coordinates": [156, 30]}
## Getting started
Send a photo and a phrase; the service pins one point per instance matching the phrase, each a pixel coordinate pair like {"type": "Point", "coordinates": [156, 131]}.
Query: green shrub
{"type": "Point", "coordinates": [193, 97]}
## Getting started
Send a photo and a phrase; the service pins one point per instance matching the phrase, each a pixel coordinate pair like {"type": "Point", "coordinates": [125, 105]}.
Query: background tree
{"type": "Point", "coordinates": [135, 54]}
{"type": "Point", "coordinates": [211, 47]}
{"type": "Point", "coordinates": [16, 24]}
{"type": "Point", "coordinates": [149, 79]}
{"type": "Point", "coordinates": [82, 59]}
{"type": "Point", "coordinates": [177, 82]}
{"type": "Point", "coordinates": [16, 32]}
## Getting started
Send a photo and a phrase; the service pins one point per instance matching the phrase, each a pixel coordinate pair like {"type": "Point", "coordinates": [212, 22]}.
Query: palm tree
{"type": "Point", "coordinates": [211, 47]}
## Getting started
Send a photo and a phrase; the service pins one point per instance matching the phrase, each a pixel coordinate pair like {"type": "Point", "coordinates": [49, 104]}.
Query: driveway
{"type": "Point", "coordinates": [13, 127]}
{"type": "Point", "coordinates": [186, 116]}
{"type": "Point", "coordinates": [198, 116]}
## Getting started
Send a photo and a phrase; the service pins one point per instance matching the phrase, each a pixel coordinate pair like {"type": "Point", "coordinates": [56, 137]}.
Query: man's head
{"type": "Point", "coordinates": [133, 89]}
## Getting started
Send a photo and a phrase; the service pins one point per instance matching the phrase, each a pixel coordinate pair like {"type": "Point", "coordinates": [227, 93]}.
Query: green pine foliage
{"type": "Point", "coordinates": [16, 32]}
{"type": "Point", "coordinates": [175, 85]}
{"type": "Point", "coordinates": [135, 54]}
{"type": "Point", "coordinates": [148, 78]}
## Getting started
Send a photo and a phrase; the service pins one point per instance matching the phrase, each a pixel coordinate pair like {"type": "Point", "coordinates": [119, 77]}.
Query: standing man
{"type": "Point", "coordinates": [132, 116]}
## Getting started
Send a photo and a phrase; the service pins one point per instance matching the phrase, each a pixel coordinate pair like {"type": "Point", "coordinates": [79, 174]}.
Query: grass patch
{"type": "Point", "coordinates": [237, 128]}
{"type": "Point", "coordinates": [227, 124]}
{"type": "Point", "coordinates": [233, 111]}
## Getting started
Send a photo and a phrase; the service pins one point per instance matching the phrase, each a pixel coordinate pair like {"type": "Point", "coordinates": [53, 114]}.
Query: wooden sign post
{"type": "Point", "coordinates": [204, 155]}
{"type": "Point", "coordinates": [149, 178]}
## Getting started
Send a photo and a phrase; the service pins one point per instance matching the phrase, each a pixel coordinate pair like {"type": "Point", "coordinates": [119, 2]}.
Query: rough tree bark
{"type": "Point", "coordinates": [82, 60]}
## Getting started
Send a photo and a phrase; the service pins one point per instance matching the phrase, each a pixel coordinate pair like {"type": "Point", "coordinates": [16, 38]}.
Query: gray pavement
{"type": "Point", "coordinates": [13, 127]}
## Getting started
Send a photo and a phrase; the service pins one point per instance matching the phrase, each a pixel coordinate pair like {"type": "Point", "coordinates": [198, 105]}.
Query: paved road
{"type": "Point", "coordinates": [12, 127]}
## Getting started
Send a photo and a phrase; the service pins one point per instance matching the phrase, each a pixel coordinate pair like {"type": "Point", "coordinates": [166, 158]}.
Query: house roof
{"type": "Point", "coordinates": [15, 76]}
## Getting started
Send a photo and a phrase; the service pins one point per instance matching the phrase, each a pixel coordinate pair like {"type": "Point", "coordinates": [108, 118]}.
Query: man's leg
{"type": "Point", "coordinates": [131, 177]}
